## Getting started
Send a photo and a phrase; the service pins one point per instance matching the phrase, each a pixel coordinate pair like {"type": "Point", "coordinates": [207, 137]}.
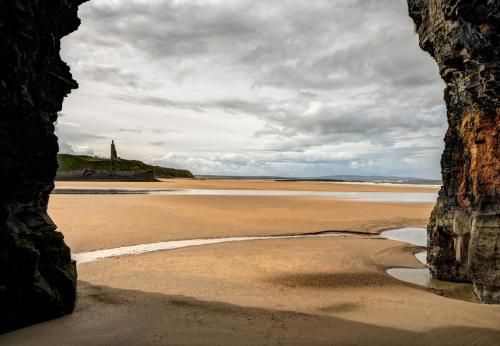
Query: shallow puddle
{"type": "Point", "coordinates": [417, 237]}
{"type": "Point", "coordinates": [414, 236]}
{"type": "Point", "coordinates": [420, 277]}
{"type": "Point", "coordinates": [422, 257]}
{"type": "Point", "coordinates": [410, 235]}
{"type": "Point", "coordinates": [421, 197]}
{"type": "Point", "coordinates": [91, 256]}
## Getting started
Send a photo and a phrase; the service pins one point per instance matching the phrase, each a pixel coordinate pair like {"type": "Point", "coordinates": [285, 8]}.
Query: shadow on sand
{"type": "Point", "coordinates": [108, 316]}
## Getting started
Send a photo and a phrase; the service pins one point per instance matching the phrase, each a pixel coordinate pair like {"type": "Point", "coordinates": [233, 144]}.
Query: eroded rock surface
{"type": "Point", "coordinates": [37, 275]}
{"type": "Point", "coordinates": [463, 36]}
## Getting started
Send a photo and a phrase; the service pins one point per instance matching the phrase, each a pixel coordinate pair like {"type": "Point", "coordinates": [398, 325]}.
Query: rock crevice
{"type": "Point", "coordinates": [463, 36]}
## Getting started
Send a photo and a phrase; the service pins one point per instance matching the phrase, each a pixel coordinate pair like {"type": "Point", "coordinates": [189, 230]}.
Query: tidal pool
{"type": "Point", "coordinates": [417, 237]}
{"type": "Point", "coordinates": [414, 236]}
{"type": "Point", "coordinates": [422, 197]}
{"type": "Point", "coordinates": [420, 277]}
{"type": "Point", "coordinates": [96, 255]}
{"type": "Point", "coordinates": [409, 235]}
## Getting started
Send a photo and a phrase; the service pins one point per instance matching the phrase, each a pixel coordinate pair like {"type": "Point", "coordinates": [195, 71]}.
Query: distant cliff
{"type": "Point", "coordinates": [81, 167]}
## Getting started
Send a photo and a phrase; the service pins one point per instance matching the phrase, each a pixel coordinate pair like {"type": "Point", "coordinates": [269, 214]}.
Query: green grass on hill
{"type": "Point", "coordinates": [69, 162]}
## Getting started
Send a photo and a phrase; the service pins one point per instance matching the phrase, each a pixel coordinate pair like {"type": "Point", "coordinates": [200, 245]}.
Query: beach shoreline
{"type": "Point", "coordinates": [293, 291]}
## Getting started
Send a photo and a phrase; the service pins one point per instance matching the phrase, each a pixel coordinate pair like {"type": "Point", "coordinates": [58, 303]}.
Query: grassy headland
{"type": "Point", "coordinates": [69, 163]}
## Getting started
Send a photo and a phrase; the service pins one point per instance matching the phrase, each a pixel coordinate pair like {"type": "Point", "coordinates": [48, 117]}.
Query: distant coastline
{"type": "Point", "coordinates": [335, 179]}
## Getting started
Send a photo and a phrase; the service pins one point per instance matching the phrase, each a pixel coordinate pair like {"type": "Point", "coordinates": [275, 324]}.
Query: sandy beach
{"type": "Point", "coordinates": [249, 185]}
{"type": "Point", "coordinates": [308, 291]}
{"type": "Point", "coordinates": [91, 222]}
{"type": "Point", "coordinates": [105, 221]}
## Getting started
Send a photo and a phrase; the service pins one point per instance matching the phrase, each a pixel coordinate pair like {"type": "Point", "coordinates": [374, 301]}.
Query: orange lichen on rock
{"type": "Point", "coordinates": [480, 137]}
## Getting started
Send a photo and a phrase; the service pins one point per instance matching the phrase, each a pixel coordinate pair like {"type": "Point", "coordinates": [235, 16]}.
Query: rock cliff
{"type": "Point", "coordinates": [37, 275]}
{"type": "Point", "coordinates": [463, 36]}
{"type": "Point", "coordinates": [103, 175]}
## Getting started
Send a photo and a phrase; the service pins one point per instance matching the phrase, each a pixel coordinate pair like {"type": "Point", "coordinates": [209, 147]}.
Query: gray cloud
{"type": "Point", "coordinates": [160, 143]}
{"type": "Point", "coordinates": [160, 131]}
{"type": "Point", "coordinates": [310, 76]}
{"type": "Point", "coordinates": [71, 131]}
{"type": "Point", "coordinates": [65, 148]}
{"type": "Point", "coordinates": [110, 74]}
{"type": "Point", "coordinates": [374, 121]}
{"type": "Point", "coordinates": [233, 106]}
{"type": "Point", "coordinates": [130, 130]}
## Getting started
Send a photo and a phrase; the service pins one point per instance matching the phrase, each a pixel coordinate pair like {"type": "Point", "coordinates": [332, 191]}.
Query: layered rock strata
{"type": "Point", "coordinates": [463, 36]}
{"type": "Point", "coordinates": [37, 275]}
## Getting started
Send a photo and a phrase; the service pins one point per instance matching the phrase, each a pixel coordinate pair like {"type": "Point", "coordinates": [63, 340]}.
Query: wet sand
{"type": "Point", "coordinates": [309, 291]}
{"type": "Point", "coordinates": [91, 222]}
{"type": "Point", "coordinates": [249, 185]}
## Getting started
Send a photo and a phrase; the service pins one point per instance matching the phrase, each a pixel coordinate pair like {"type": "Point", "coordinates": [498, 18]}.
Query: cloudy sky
{"type": "Point", "coordinates": [245, 87]}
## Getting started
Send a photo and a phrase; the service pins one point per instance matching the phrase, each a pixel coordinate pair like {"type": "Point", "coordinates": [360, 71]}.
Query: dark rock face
{"type": "Point", "coordinates": [37, 275]}
{"type": "Point", "coordinates": [104, 175]}
{"type": "Point", "coordinates": [463, 36]}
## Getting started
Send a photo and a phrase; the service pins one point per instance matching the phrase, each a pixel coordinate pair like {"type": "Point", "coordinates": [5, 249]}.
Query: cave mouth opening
{"type": "Point", "coordinates": [466, 216]}
{"type": "Point", "coordinates": [38, 277]}
{"type": "Point", "coordinates": [280, 100]}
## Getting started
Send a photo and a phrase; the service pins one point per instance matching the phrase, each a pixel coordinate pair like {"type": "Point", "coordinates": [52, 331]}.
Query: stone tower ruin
{"type": "Point", "coordinates": [114, 155]}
